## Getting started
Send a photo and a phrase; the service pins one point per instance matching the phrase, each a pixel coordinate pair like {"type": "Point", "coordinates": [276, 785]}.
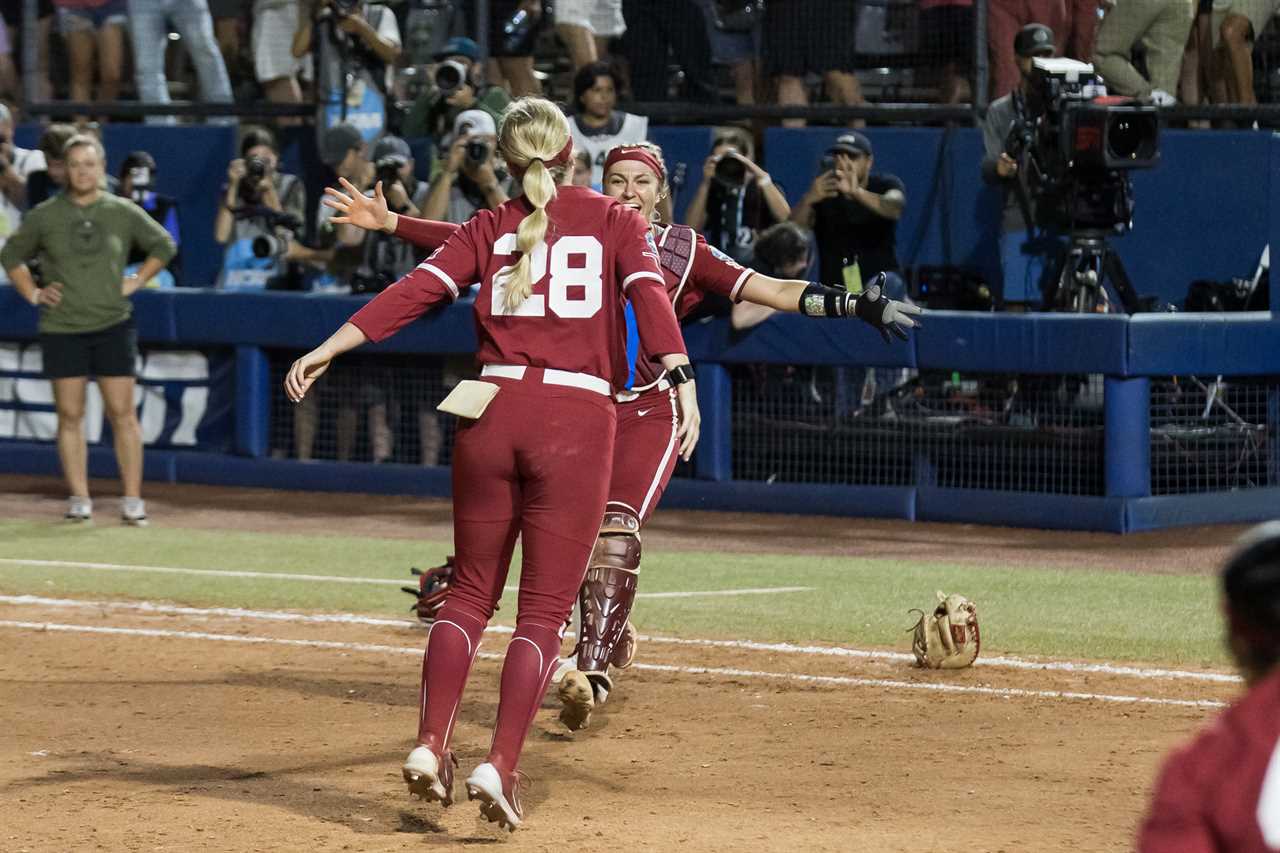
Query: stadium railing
{"type": "Point", "coordinates": [1117, 423]}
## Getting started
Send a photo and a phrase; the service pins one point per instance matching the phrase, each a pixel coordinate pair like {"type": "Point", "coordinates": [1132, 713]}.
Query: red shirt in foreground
{"type": "Point", "coordinates": [1221, 793]}
{"type": "Point", "coordinates": [597, 255]}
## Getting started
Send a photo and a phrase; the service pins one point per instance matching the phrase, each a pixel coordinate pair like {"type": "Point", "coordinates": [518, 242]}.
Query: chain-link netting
{"type": "Point", "coordinates": [1212, 433]}
{"type": "Point", "coordinates": [977, 431]}
{"type": "Point", "coordinates": [369, 409]}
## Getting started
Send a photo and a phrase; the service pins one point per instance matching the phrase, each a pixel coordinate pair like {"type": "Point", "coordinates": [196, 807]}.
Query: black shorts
{"type": "Point", "coordinates": [946, 36]}
{"type": "Point", "coordinates": [809, 36]}
{"type": "Point", "coordinates": [112, 351]}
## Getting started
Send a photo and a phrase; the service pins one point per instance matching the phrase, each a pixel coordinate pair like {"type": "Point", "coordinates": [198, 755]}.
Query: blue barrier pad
{"type": "Point", "coordinates": [792, 339]}
{"type": "Point", "coordinates": [1020, 509]}
{"type": "Point", "coordinates": [1246, 343]}
{"type": "Point", "coordinates": [1238, 507]}
{"type": "Point", "coordinates": [1023, 343]}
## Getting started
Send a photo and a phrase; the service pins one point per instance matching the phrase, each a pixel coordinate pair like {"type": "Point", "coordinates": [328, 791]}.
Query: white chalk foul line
{"type": "Point", "coordinates": [847, 681]}
{"type": "Point", "coordinates": [290, 576]}
{"type": "Point", "coordinates": [742, 645]}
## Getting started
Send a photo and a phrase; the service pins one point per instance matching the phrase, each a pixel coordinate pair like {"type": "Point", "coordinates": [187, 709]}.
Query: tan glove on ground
{"type": "Point", "coordinates": [947, 637]}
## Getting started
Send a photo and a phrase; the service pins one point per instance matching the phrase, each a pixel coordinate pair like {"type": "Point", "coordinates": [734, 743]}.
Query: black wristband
{"type": "Point", "coordinates": [818, 300]}
{"type": "Point", "coordinates": [680, 374]}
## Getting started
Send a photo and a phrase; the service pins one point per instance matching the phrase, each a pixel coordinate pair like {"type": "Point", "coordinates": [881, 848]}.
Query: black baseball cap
{"type": "Point", "coordinates": [852, 143]}
{"type": "Point", "coordinates": [1033, 40]}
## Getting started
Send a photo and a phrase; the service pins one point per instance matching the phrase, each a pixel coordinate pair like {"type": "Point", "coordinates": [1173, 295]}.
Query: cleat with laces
{"type": "Point", "coordinates": [499, 798]}
{"type": "Point", "coordinates": [430, 776]}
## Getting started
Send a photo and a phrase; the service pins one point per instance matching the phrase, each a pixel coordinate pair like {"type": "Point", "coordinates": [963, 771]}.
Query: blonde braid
{"type": "Point", "coordinates": [533, 131]}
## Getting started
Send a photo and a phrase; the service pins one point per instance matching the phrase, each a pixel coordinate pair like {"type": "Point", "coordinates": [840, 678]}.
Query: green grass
{"type": "Point", "coordinates": [1031, 611]}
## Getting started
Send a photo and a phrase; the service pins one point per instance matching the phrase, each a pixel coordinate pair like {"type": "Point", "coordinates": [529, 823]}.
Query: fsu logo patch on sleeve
{"type": "Point", "coordinates": [652, 246]}
{"type": "Point", "coordinates": [721, 256]}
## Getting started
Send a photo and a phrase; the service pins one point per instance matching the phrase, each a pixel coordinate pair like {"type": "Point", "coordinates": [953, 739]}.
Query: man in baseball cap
{"type": "Point", "coordinates": [1023, 264]}
{"type": "Point", "coordinates": [457, 84]}
{"type": "Point", "coordinates": [467, 178]}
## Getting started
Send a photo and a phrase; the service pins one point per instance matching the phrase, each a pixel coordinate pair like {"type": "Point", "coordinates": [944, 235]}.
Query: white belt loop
{"type": "Point", "coordinates": [551, 377]}
{"type": "Point", "coordinates": [506, 371]}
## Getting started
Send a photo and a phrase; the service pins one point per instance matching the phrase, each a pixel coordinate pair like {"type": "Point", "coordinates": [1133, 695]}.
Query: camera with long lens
{"type": "Point", "coordinates": [729, 169]}
{"type": "Point", "coordinates": [1077, 146]}
{"type": "Point", "coordinates": [255, 169]}
{"type": "Point", "coordinates": [387, 169]}
{"type": "Point", "coordinates": [477, 150]}
{"type": "Point", "coordinates": [450, 76]}
{"type": "Point", "coordinates": [282, 231]}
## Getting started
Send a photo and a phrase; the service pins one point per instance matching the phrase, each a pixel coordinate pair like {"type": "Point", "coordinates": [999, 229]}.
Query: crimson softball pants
{"type": "Point", "coordinates": [536, 466]}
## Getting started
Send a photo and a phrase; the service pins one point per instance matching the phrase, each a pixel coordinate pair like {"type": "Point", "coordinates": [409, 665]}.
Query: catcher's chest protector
{"type": "Point", "coordinates": [676, 252]}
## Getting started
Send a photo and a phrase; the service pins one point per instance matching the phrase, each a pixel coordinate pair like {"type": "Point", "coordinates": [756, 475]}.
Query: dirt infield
{"type": "Point", "coordinates": [208, 732]}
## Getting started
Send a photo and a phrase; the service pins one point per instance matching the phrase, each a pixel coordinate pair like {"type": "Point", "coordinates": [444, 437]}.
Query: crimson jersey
{"type": "Point", "coordinates": [1221, 794]}
{"type": "Point", "coordinates": [691, 269]}
{"type": "Point", "coordinates": [597, 254]}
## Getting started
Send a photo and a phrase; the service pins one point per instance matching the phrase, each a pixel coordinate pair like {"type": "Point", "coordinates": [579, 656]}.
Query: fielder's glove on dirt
{"type": "Point", "coordinates": [432, 589]}
{"type": "Point", "coordinates": [947, 638]}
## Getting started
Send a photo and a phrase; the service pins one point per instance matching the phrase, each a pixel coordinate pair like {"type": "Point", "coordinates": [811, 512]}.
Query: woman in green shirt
{"type": "Point", "coordinates": [83, 237]}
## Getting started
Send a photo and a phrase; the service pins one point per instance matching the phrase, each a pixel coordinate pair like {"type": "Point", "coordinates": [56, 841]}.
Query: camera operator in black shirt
{"type": "Point", "coordinates": [736, 199]}
{"type": "Point", "coordinates": [854, 216]}
{"type": "Point", "coordinates": [1024, 260]}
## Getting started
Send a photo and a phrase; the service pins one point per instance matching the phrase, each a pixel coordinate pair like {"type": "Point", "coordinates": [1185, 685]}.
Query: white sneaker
{"type": "Point", "coordinates": [499, 803]}
{"type": "Point", "coordinates": [133, 512]}
{"type": "Point", "coordinates": [79, 509]}
{"type": "Point", "coordinates": [430, 776]}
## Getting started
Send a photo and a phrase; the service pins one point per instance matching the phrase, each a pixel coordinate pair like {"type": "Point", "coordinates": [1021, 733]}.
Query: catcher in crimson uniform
{"type": "Point", "coordinates": [648, 421]}
{"type": "Point", "coordinates": [554, 268]}
{"type": "Point", "coordinates": [1221, 793]}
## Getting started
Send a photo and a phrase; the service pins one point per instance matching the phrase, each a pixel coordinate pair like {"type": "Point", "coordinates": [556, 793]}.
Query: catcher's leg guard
{"type": "Point", "coordinates": [606, 599]}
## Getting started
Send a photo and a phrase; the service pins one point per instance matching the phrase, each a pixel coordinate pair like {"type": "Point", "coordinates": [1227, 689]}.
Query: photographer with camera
{"type": "Point", "coordinates": [595, 125]}
{"type": "Point", "coordinates": [137, 183]}
{"type": "Point", "coordinates": [854, 216]}
{"type": "Point", "coordinates": [736, 199]}
{"type": "Point", "coordinates": [393, 166]}
{"type": "Point", "coordinates": [1024, 260]}
{"type": "Point", "coordinates": [16, 165]}
{"type": "Point", "coordinates": [356, 45]}
{"type": "Point", "coordinates": [258, 207]}
{"type": "Point", "coordinates": [467, 179]}
{"type": "Point", "coordinates": [457, 84]}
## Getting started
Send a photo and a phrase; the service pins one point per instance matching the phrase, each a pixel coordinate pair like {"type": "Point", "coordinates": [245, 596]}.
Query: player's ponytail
{"type": "Point", "coordinates": [534, 140]}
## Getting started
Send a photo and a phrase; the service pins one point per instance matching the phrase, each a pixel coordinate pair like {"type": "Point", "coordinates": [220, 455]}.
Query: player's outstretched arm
{"type": "Point", "coordinates": [306, 370]}
{"type": "Point", "coordinates": [815, 300]}
{"type": "Point", "coordinates": [372, 214]}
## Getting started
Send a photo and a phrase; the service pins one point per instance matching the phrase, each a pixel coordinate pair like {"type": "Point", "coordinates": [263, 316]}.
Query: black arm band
{"type": "Point", "coordinates": [680, 374]}
{"type": "Point", "coordinates": [818, 300]}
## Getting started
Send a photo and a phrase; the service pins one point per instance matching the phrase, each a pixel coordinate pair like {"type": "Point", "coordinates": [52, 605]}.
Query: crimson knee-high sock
{"type": "Point", "coordinates": [531, 659]}
{"type": "Point", "coordinates": [451, 649]}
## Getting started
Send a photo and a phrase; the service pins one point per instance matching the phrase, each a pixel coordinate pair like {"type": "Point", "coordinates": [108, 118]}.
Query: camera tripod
{"type": "Point", "coordinates": [1079, 287]}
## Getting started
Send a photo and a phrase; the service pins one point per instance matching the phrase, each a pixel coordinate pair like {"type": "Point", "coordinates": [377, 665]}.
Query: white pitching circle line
{"type": "Point", "coordinates": [1005, 692]}
{"type": "Point", "coordinates": [290, 576]}
{"type": "Point", "coordinates": [742, 645]}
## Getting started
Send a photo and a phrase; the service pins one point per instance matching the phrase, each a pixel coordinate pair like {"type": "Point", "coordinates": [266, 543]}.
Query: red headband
{"type": "Point", "coordinates": [561, 159]}
{"type": "Point", "coordinates": [639, 155]}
